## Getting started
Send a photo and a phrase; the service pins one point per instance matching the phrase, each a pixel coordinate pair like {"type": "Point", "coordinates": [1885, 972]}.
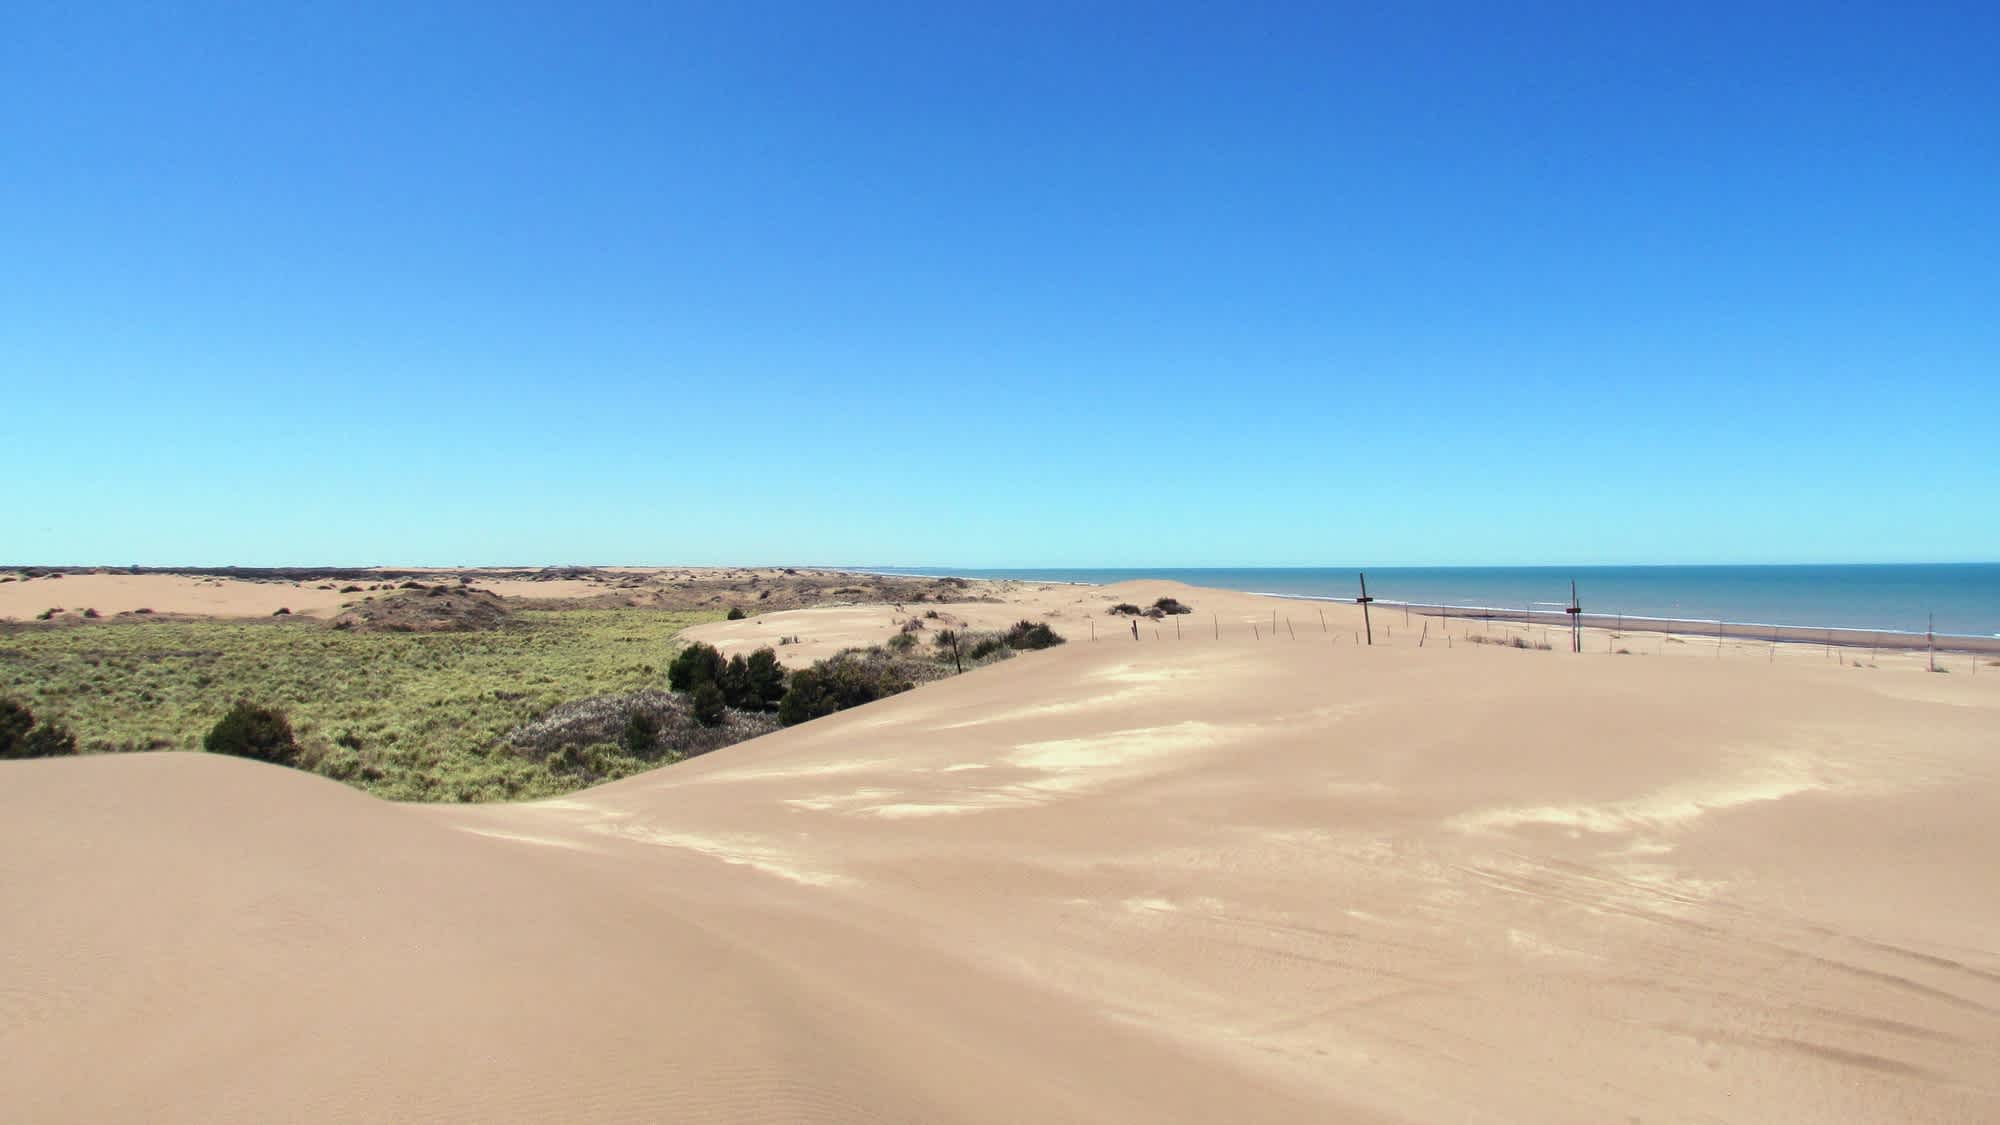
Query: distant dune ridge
{"type": "Point", "coordinates": [1242, 867]}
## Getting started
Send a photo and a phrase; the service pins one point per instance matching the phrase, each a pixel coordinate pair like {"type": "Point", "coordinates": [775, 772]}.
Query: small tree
{"type": "Point", "coordinates": [48, 740]}
{"type": "Point", "coordinates": [707, 703]}
{"type": "Point", "coordinates": [250, 731]}
{"type": "Point", "coordinates": [766, 678]}
{"type": "Point", "coordinates": [21, 737]}
{"type": "Point", "coordinates": [735, 681]}
{"type": "Point", "coordinates": [642, 733]}
{"type": "Point", "coordinates": [15, 722]}
{"type": "Point", "coordinates": [695, 665]}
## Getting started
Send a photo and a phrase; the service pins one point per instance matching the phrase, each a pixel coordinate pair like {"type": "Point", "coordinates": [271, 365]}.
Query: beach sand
{"type": "Point", "coordinates": [1194, 878]}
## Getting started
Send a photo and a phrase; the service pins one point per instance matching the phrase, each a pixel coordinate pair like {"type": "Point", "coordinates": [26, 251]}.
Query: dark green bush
{"type": "Point", "coordinates": [250, 731]}
{"type": "Point", "coordinates": [15, 722]}
{"type": "Point", "coordinates": [985, 647]}
{"type": "Point", "coordinates": [22, 737]}
{"type": "Point", "coordinates": [695, 665]}
{"type": "Point", "coordinates": [766, 681]}
{"type": "Point", "coordinates": [755, 683]}
{"type": "Point", "coordinates": [1126, 609]}
{"type": "Point", "coordinates": [1172, 606]}
{"type": "Point", "coordinates": [707, 702]}
{"type": "Point", "coordinates": [642, 732]}
{"type": "Point", "coordinates": [48, 740]}
{"type": "Point", "coordinates": [1031, 635]}
{"type": "Point", "coordinates": [736, 613]}
{"type": "Point", "coordinates": [844, 681]}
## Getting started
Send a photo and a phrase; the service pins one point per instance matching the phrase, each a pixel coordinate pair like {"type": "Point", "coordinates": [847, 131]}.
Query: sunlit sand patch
{"type": "Point", "coordinates": [827, 802]}
{"type": "Point", "coordinates": [1150, 906]}
{"type": "Point", "coordinates": [743, 851]}
{"type": "Point", "coordinates": [961, 766]}
{"type": "Point", "coordinates": [1157, 674]}
{"type": "Point", "coordinates": [1534, 945]}
{"type": "Point", "coordinates": [816, 769]}
{"type": "Point", "coordinates": [1042, 710]}
{"type": "Point", "coordinates": [1121, 748]}
{"type": "Point", "coordinates": [525, 838]}
{"type": "Point", "coordinates": [910, 810]}
{"type": "Point", "coordinates": [1672, 807]}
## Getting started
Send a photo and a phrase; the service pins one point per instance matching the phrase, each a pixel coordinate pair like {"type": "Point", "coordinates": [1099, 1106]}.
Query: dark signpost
{"type": "Point", "coordinates": [1575, 612]}
{"type": "Point", "coordinates": [1363, 601]}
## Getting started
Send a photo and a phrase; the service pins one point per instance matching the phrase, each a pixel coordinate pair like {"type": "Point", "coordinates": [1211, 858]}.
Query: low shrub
{"type": "Point", "coordinates": [735, 613]}
{"type": "Point", "coordinates": [1172, 606]}
{"type": "Point", "coordinates": [693, 666]}
{"type": "Point", "coordinates": [22, 737]}
{"type": "Point", "coordinates": [604, 737]}
{"type": "Point", "coordinates": [250, 731]}
{"type": "Point", "coordinates": [90, 613]}
{"type": "Point", "coordinates": [835, 684]}
{"type": "Point", "coordinates": [986, 646]}
{"type": "Point", "coordinates": [1509, 642]}
{"type": "Point", "coordinates": [641, 734]}
{"type": "Point", "coordinates": [15, 722]}
{"type": "Point", "coordinates": [903, 642]}
{"type": "Point", "coordinates": [1030, 636]}
{"type": "Point", "coordinates": [1123, 609]}
{"type": "Point", "coordinates": [753, 684]}
{"type": "Point", "coordinates": [707, 703]}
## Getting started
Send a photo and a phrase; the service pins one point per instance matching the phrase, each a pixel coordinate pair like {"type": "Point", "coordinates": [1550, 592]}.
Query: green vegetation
{"type": "Point", "coordinates": [753, 684]}
{"type": "Point", "coordinates": [1030, 635]}
{"type": "Point", "coordinates": [411, 716]}
{"type": "Point", "coordinates": [839, 682]}
{"type": "Point", "coordinates": [250, 731]}
{"type": "Point", "coordinates": [22, 737]}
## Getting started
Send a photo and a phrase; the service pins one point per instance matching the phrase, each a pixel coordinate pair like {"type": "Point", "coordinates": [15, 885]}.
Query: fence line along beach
{"type": "Point", "coordinates": [1887, 606]}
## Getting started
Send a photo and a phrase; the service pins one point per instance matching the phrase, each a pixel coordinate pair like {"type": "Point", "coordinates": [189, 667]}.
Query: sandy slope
{"type": "Point", "coordinates": [1226, 879]}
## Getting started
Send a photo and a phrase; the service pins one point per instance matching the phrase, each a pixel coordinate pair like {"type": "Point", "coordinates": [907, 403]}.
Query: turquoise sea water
{"type": "Point", "coordinates": [1965, 597]}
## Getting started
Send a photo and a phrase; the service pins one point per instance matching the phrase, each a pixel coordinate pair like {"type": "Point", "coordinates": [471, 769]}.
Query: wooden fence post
{"type": "Point", "coordinates": [1364, 599]}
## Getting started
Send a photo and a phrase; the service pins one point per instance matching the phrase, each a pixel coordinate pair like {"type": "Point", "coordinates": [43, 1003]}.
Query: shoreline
{"type": "Point", "coordinates": [1837, 635]}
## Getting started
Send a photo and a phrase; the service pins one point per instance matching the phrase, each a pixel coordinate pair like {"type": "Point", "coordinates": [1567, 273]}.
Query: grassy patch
{"type": "Point", "coordinates": [410, 716]}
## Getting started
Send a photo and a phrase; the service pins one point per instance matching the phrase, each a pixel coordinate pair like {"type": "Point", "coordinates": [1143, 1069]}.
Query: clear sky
{"type": "Point", "coordinates": [1005, 285]}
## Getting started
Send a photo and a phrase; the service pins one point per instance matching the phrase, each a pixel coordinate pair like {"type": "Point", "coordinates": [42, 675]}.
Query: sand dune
{"type": "Point", "coordinates": [1213, 879]}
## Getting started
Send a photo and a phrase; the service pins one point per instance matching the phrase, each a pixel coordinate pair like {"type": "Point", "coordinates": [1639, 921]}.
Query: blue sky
{"type": "Point", "coordinates": [1006, 285]}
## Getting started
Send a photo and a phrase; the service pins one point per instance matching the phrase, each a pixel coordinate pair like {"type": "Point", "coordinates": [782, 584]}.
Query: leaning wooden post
{"type": "Point", "coordinates": [1930, 640]}
{"type": "Point", "coordinates": [1177, 627]}
{"type": "Point", "coordinates": [1363, 601]}
{"type": "Point", "coordinates": [1322, 620]}
{"type": "Point", "coordinates": [1575, 612]}
{"type": "Point", "coordinates": [1217, 619]}
{"type": "Point", "coordinates": [1289, 629]}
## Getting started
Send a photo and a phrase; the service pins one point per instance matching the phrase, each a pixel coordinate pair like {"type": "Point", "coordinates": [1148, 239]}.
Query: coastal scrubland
{"type": "Point", "coordinates": [437, 694]}
{"type": "Point", "coordinates": [405, 715]}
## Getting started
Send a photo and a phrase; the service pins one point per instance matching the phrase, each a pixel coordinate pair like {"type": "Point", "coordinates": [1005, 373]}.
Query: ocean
{"type": "Point", "coordinates": [1899, 597]}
